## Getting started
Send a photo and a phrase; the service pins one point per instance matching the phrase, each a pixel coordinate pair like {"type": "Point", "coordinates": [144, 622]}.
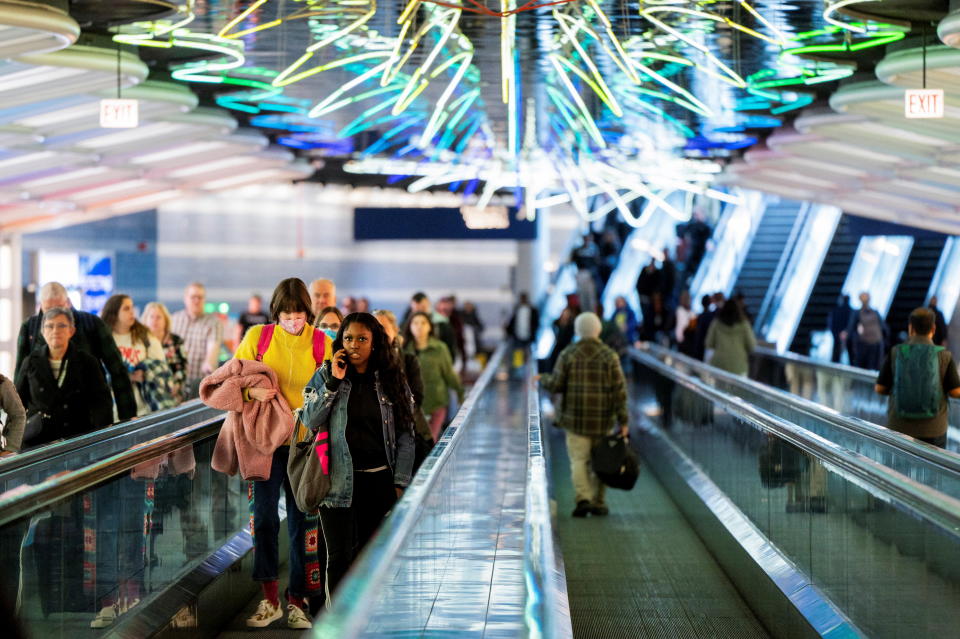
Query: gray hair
{"type": "Point", "coordinates": [53, 290]}
{"type": "Point", "coordinates": [56, 311]}
{"type": "Point", "coordinates": [587, 325]}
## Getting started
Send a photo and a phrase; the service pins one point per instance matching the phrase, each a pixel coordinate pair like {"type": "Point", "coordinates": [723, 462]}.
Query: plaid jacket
{"type": "Point", "coordinates": [589, 377]}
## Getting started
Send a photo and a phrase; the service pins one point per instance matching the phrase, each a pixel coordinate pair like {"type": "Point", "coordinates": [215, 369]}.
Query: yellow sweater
{"type": "Point", "coordinates": [290, 357]}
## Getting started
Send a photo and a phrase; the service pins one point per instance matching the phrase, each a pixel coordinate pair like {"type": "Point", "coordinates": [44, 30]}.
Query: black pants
{"type": "Point", "coordinates": [347, 530]}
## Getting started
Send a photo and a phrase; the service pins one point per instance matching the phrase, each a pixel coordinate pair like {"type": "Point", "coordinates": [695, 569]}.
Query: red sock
{"type": "Point", "coordinates": [299, 602]}
{"type": "Point", "coordinates": [271, 591]}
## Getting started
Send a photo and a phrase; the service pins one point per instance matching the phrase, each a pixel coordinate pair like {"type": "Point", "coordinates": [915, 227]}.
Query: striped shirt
{"type": "Point", "coordinates": [197, 333]}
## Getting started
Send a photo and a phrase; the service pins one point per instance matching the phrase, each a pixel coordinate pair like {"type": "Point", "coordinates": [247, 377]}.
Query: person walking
{"type": "Point", "coordinates": [918, 376]}
{"type": "Point", "coordinates": [61, 386]}
{"type": "Point", "coordinates": [290, 350]}
{"type": "Point", "coordinates": [323, 293]}
{"type": "Point", "coordinates": [90, 335]}
{"type": "Point", "coordinates": [436, 369]}
{"type": "Point", "coordinates": [251, 317]}
{"type": "Point", "coordinates": [868, 332]}
{"type": "Point", "coordinates": [731, 338]}
{"type": "Point", "coordinates": [11, 432]}
{"type": "Point", "coordinates": [202, 336]}
{"type": "Point", "coordinates": [142, 353]}
{"type": "Point", "coordinates": [594, 401]}
{"type": "Point", "coordinates": [156, 318]}
{"type": "Point", "coordinates": [837, 321]}
{"type": "Point", "coordinates": [329, 321]}
{"type": "Point", "coordinates": [362, 403]}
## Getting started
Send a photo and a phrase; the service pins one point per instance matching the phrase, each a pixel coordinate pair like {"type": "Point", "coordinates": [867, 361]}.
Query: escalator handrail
{"type": "Point", "coordinates": [927, 503]}
{"type": "Point", "coordinates": [121, 429]}
{"type": "Point", "coordinates": [861, 374]}
{"type": "Point", "coordinates": [547, 609]}
{"type": "Point", "coordinates": [345, 617]}
{"type": "Point", "coordinates": [25, 500]}
{"type": "Point", "coordinates": [881, 434]}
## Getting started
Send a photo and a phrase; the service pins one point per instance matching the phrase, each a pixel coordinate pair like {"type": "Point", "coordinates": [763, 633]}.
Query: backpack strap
{"type": "Point", "coordinates": [266, 334]}
{"type": "Point", "coordinates": [319, 346]}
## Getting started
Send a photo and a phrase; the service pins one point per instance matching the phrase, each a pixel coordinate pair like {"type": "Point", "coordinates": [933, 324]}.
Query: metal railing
{"type": "Point", "coordinates": [27, 499]}
{"type": "Point", "coordinates": [881, 435]}
{"type": "Point", "coordinates": [926, 503]}
{"type": "Point", "coordinates": [547, 608]}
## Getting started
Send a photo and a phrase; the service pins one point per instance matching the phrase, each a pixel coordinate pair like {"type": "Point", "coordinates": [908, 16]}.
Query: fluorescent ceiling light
{"type": "Point", "coordinates": [116, 187]}
{"type": "Point", "coordinates": [219, 165]}
{"type": "Point", "coordinates": [138, 134]}
{"type": "Point", "coordinates": [68, 176]}
{"type": "Point", "coordinates": [32, 76]}
{"type": "Point", "coordinates": [178, 152]}
{"type": "Point", "coordinates": [247, 178]}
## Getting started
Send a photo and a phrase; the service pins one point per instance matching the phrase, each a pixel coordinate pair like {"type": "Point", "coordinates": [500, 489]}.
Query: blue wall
{"type": "Point", "coordinates": [131, 238]}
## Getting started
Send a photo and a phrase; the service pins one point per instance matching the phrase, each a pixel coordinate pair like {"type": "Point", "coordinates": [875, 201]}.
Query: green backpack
{"type": "Point", "coordinates": [917, 389]}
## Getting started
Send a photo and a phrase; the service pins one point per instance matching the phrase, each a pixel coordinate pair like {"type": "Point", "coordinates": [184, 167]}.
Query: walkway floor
{"type": "Point", "coordinates": [642, 571]}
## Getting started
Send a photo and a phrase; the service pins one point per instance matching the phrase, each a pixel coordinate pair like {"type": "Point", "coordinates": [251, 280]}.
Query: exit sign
{"type": "Point", "coordinates": [923, 103]}
{"type": "Point", "coordinates": [118, 114]}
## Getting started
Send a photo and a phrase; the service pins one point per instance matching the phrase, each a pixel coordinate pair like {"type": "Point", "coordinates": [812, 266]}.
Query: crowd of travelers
{"type": "Point", "coordinates": [378, 392]}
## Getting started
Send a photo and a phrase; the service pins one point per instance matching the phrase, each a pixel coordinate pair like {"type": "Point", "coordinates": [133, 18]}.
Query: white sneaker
{"type": "Point", "coordinates": [266, 614]}
{"type": "Point", "coordinates": [297, 619]}
{"type": "Point", "coordinates": [106, 617]}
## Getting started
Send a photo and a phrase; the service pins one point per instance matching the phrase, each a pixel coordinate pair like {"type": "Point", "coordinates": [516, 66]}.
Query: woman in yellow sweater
{"type": "Point", "coordinates": [294, 354]}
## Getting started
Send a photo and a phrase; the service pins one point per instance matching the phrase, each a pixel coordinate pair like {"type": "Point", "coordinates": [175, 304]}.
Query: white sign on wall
{"type": "Point", "coordinates": [923, 103]}
{"type": "Point", "coordinates": [118, 114]}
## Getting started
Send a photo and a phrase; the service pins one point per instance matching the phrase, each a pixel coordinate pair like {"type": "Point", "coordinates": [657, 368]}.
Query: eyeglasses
{"type": "Point", "coordinates": [330, 327]}
{"type": "Point", "coordinates": [60, 326]}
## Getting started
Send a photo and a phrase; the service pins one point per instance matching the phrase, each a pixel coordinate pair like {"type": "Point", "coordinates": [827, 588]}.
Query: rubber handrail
{"type": "Point", "coordinates": [929, 504]}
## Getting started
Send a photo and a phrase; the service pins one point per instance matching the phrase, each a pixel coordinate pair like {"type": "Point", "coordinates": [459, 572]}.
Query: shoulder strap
{"type": "Point", "coordinates": [266, 334]}
{"type": "Point", "coordinates": [319, 346]}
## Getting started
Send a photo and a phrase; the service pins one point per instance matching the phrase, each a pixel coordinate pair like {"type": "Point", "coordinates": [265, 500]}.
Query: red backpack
{"type": "Point", "coordinates": [267, 334]}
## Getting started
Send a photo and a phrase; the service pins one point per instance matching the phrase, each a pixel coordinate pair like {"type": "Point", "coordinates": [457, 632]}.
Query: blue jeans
{"type": "Point", "coordinates": [307, 550]}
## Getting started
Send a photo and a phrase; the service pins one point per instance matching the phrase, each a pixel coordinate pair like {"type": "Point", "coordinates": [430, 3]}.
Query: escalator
{"type": "Point", "coordinates": [917, 274]}
{"type": "Point", "coordinates": [770, 242]}
{"type": "Point", "coordinates": [827, 287]}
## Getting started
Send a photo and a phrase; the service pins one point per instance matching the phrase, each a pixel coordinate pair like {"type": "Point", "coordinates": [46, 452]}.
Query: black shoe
{"type": "Point", "coordinates": [583, 509]}
{"type": "Point", "coordinates": [599, 511]}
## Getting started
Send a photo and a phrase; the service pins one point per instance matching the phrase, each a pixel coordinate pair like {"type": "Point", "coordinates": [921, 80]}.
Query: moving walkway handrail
{"type": "Point", "coordinates": [25, 500]}
{"type": "Point", "coordinates": [547, 611]}
{"type": "Point", "coordinates": [121, 429]}
{"type": "Point", "coordinates": [861, 374]}
{"type": "Point", "coordinates": [927, 503]}
{"type": "Point", "coordinates": [931, 454]}
{"type": "Point", "coordinates": [345, 617]}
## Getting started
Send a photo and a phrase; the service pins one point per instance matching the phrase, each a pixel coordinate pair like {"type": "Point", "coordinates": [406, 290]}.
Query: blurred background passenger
{"type": "Point", "coordinates": [329, 321]}
{"type": "Point", "coordinates": [143, 355]}
{"type": "Point", "coordinates": [62, 387]}
{"type": "Point", "coordinates": [251, 317]}
{"type": "Point", "coordinates": [202, 335]}
{"type": "Point", "coordinates": [12, 429]}
{"type": "Point", "coordinates": [91, 336]}
{"type": "Point", "coordinates": [323, 293]}
{"type": "Point", "coordinates": [436, 369]}
{"type": "Point", "coordinates": [731, 339]}
{"type": "Point", "coordinates": [156, 318]}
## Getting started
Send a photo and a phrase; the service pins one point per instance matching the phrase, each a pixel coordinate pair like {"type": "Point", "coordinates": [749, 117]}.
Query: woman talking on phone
{"type": "Point", "coordinates": [362, 401]}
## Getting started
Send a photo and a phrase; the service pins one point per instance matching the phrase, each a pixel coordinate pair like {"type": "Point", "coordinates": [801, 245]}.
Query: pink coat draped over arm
{"type": "Point", "coordinates": [252, 430]}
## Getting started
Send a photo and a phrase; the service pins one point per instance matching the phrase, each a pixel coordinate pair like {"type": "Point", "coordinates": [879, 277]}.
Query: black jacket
{"type": "Point", "coordinates": [82, 403]}
{"type": "Point", "coordinates": [94, 338]}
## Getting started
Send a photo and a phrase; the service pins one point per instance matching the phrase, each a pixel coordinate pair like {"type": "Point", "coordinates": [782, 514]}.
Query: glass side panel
{"type": "Point", "coordinates": [121, 542]}
{"type": "Point", "coordinates": [838, 389]}
{"type": "Point", "coordinates": [731, 241]}
{"type": "Point", "coordinates": [655, 231]}
{"type": "Point", "coordinates": [876, 269]}
{"type": "Point", "coordinates": [798, 278]}
{"type": "Point", "coordinates": [892, 572]}
{"type": "Point", "coordinates": [945, 284]}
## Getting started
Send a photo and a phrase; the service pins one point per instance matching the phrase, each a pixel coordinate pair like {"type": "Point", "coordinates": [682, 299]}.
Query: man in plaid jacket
{"type": "Point", "coordinates": [594, 400]}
